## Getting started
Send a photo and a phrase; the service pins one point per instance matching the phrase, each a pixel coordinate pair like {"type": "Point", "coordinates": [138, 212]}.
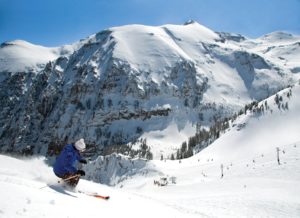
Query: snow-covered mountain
{"type": "Point", "coordinates": [252, 136]}
{"type": "Point", "coordinates": [136, 85]}
{"type": "Point", "coordinates": [21, 56]}
{"type": "Point", "coordinates": [257, 181]}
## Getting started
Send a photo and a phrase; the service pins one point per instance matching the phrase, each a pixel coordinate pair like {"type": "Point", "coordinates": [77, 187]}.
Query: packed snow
{"type": "Point", "coordinates": [29, 189]}
{"type": "Point", "coordinates": [257, 180]}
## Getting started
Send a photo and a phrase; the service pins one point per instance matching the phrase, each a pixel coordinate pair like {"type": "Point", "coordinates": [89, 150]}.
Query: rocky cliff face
{"type": "Point", "coordinates": [134, 82]}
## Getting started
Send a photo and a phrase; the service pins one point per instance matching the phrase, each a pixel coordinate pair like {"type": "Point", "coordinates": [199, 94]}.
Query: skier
{"type": "Point", "coordinates": [64, 166]}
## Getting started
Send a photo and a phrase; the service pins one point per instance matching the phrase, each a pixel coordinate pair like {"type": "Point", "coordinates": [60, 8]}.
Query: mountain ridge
{"type": "Point", "coordinates": [132, 82]}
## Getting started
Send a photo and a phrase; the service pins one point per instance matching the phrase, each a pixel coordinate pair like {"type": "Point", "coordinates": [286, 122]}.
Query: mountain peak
{"type": "Point", "coordinates": [191, 21]}
{"type": "Point", "coordinates": [278, 36]}
{"type": "Point", "coordinates": [17, 42]}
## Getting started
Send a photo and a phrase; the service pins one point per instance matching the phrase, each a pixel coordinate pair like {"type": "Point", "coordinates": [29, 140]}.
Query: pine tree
{"type": "Point", "coordinates": [172, 157]}
{"type": "Point", "coordinates": [183, 147]}
{"type": "Point", "coordinates": [286, 106]}
{"type": "Point", "coordinates": [266, 105]}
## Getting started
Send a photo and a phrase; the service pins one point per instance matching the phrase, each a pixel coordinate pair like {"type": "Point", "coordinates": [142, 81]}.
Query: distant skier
{"type": "Point", "coordinates": [222, 171]}
{"type": "Point", "coordinates": [64, 166]}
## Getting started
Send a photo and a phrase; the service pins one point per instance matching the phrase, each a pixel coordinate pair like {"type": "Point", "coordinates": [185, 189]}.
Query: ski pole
{"type": "Point", "coordinates": [44, 186]}
{"type": "Point", "coordinates": [72, 177]}
{"type": "Point", "coordinates": [76, 175]}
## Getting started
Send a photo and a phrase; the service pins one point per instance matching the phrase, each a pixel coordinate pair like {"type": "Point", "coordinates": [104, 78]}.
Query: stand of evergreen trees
{"type": "Point", "coordinates": [204, 137]}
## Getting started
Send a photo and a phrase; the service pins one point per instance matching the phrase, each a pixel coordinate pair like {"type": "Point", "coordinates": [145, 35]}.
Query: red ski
{"type": "Point", "coordinates": [95, 195]}
{"type": "Point", "coordinates": [100, 196]}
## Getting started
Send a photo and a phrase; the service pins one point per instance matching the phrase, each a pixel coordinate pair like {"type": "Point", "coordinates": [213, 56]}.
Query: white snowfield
{"type": "Point", "coordinates": [255, 183]}
{"type": "Point", "coordinates": [22, 56]}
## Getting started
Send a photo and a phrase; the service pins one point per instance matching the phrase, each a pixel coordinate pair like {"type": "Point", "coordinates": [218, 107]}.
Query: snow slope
{"type": "Point", "coordinates": [281, 48]}
{"type": "Point", "coordinates": [24, 193]}
{"type": "Point", "coordinates": [22, 56]}
{"type": "Point", "coordinates": [261, 133]}
{"type": "Point", "coordinates": [155, 48]}
{"type": "Point", "coordinates": [253, 183]}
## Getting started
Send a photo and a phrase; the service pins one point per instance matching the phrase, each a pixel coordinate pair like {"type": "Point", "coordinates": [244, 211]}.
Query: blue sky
{"type": "Point", "coordinates": [58, 22]}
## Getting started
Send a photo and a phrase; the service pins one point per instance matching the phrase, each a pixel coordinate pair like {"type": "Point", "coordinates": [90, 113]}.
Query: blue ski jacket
{"type": "Point", "coordinates": [65, 162]}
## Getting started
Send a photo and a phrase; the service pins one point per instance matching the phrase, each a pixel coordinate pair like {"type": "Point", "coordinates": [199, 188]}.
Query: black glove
{"type": "Point", "coordinates": [81, 172]}
{"type": "Point", "coordinates": [83, 161]}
